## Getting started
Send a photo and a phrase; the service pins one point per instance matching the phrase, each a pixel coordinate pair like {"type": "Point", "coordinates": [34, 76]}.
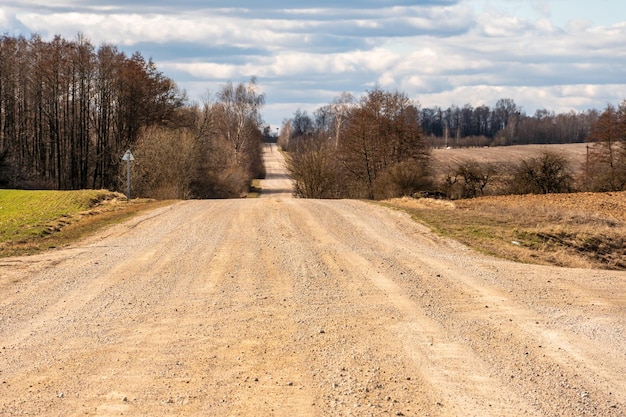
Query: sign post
{"type": "Point", "coordinates": [128, 157]}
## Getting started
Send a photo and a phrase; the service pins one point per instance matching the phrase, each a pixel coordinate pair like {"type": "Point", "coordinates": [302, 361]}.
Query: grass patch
{"type": "Point", "coordinates": [574, 230]}
{"type": "Point", "coordinates": [31, 221]}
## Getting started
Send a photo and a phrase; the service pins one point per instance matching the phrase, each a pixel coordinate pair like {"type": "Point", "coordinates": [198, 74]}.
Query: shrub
{"type": "Point", "coordinates": [166, 163]}
{"type": "Point", "coordinates": [469, 180]}
{"type": "Point", "coordinates": [403, 179]}
{"type": "Point", "coordinates": [313, 169]}
{"type": "Point", "coordinates": [548, 173]}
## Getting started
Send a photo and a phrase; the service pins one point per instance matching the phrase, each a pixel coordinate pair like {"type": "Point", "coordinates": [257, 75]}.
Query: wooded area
{"type": "Point", "coordinates": [69, 111]}
{"type": "Point", "coordinates": [371, 149]}
{"type": "Point", "coordinates": [504, 124]}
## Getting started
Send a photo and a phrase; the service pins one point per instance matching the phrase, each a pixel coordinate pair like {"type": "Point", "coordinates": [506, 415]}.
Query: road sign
{"type": "Point", "coordinates": [128, 157]}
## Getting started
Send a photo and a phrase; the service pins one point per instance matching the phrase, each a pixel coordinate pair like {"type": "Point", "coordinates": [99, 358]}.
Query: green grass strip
{"type": "Point", "coordinates": [28, 214]}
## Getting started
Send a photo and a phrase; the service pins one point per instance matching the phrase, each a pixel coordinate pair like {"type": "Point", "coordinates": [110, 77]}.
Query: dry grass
{"type": "Point", "coordinates": [585, 230]}
{"type": "Point", "coordinates": [444, 159]}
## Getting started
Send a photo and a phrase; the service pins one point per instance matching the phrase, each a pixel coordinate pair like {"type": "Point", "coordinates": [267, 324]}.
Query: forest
{"type": "Point", "coordinates": [503, 124]}
{"type": "Point", "coordinates": [70, 110]}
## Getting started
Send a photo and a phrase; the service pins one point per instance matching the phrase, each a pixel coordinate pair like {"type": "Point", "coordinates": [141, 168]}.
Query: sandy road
{"type": "Point", "coordinates": [287, 307]}
{"type": "Point", "coordinates": [277, 183]}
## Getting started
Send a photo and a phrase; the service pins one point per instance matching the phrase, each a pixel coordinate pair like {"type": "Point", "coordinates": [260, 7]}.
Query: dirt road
{"type": "Point", "coordinates": [277, 182]}
{"type": "Point", "coordinates": [287, 307]}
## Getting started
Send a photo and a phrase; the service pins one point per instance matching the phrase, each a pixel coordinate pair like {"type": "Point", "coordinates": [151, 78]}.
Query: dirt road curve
{"type": "Point", "coordinates": [286, 307]}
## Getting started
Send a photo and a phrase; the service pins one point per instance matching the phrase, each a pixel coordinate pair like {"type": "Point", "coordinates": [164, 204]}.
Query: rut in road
{"type": "Point", "coordinates": [281, 307]}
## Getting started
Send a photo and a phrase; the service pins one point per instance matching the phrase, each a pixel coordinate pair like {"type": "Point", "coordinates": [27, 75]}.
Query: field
{"type": "Point", "coordinates": [575, 230]}
{"type": "Point", "coordinates": [445, 158]}
{"type": "Point", "coordinates": [31, 221]}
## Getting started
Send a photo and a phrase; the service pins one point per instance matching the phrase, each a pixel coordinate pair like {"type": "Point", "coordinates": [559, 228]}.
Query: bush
{"type": "Point", "coordinates": [546, 174]}
{"type": "Point", "coordinates": [403, 179]}
{"type": "Point", "coordinates": [166, 163]}
{"type": "Point", "coordinates": [605, 169]}
{"type": "Point", "coordinates": [469, 180]}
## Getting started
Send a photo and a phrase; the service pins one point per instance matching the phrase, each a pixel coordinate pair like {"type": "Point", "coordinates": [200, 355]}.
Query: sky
{"type": "Point", "coordinates": [559, 55]}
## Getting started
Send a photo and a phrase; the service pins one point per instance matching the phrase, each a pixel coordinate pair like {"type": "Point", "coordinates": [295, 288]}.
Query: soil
{"type": "Point", "coordinates": [286, 307]}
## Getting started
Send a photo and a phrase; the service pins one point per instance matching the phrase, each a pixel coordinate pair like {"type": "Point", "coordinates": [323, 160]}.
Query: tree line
{"type": "Point", "coordinates": [69, 111]}
{"type": "Point", "coordinates": [378, 147]}
{"type": "Point", "coordinates": [506, 123]}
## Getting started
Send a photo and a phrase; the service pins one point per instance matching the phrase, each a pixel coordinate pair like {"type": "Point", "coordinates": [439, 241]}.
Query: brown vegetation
{"type": "Point", "coordinates": [373, 149]}
{"type": "Point", "coordinates": [576, 230]}
{"type": "Point", "coordinates": [216, 155]}
{"type": "Point", "coordinates": [68, 111]}
{"type": "Point", "coordinates": [445, 159]}
{"type": "Point", "coordinates": [370, 150]}
{"type": "Point", "coordinates": [537, 169]}
{"type": "Point", "coordinates": [607, 159]}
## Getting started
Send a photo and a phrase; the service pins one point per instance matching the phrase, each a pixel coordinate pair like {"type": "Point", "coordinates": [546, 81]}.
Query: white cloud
{"type": "Point", "coordinates": [209, 27]}
{"type": "Point", "coordinates": [562, 98]}
{"type": "Point", "coordinates": [4, 20]}
{"type": "Point", "coordinates": [386, 79]}
{"type": "Point", "coordinates": [204, 70]}
{"type": "Point", "coordinates": [555, 54]}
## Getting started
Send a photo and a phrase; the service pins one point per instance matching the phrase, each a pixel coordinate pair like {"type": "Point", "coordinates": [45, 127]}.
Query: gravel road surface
{"type": "Point", "coordinates": [286, 307]}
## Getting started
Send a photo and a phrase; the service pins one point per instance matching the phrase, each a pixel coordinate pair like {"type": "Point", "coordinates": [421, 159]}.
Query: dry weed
{"type": "Point", "coordinates": [583, 230]}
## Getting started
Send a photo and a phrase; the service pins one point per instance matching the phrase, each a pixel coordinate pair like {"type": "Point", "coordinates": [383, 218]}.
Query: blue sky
{"type": "Point", "coordinates": [557, 54]}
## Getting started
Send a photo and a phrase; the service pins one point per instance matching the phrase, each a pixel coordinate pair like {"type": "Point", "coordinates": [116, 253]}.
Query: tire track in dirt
{"type": "Point", "coordinates": [493, 325]}
{"type": "Point", "coordinates": [253, 323]}
{"type": "Point", "coordinates": [103, 320]}
{"type": "Point", "coordinates": [455, 376]}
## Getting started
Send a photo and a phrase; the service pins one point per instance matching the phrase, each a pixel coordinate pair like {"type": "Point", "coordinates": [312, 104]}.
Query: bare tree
{"type": "Point", "coordinates": [606, 164]}
{"type": "Point", "coordinates": [340, 110]}
{"type": "Point", "coordinates": [67, 112]}
{"type": "Point", "coordinates": [313, 168]}
{"type": "Point", "coordinates": [230, 127]}
{"type": "Point", "coordinates": [382, 131]}
{"type": "Point", "coordinates": [166, 163]}
{"type": "Point", "coordinates": [238, 119]}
